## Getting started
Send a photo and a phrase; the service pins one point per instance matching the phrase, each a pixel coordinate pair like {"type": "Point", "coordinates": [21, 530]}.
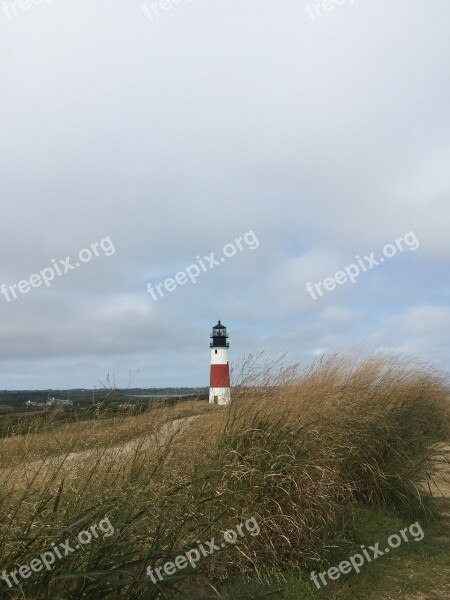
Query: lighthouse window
{"type": "Point", "coordinates": [216, 351]}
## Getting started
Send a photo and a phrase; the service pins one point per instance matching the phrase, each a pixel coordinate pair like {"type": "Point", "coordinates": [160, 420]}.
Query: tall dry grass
{"type": "Point", "coordinates": [296, 450]}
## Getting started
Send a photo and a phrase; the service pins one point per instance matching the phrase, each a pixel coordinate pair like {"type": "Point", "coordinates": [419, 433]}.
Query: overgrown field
{"type": "Point", "coordinates": [320, 462]}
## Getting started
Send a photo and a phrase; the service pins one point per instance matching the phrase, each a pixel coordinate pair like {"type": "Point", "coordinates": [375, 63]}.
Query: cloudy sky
{"type": "Point", "coordinates": [173, 133]}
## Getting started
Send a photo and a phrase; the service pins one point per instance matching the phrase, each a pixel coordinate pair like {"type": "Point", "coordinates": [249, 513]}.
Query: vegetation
{"type": "Point", "coordinates": [341, 454]}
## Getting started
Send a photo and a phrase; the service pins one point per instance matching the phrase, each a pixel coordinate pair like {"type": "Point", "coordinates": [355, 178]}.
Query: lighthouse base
{"type": "Point", "coordinates": [220, 396]}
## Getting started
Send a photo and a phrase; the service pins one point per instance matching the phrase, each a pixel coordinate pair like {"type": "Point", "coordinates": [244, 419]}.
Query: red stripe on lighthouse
{"type": "Point", "coordinates": [220, 376]}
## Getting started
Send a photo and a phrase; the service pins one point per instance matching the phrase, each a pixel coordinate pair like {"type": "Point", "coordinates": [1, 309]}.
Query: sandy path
{"type": "Point", "coordinates": [440, 487]}
{"type": "Point", "coordinates": [109, 454]}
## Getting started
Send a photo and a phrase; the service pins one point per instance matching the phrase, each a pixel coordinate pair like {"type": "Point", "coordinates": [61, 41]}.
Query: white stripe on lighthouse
{"type": "Point", "coordinates": [221, 395]}
{"type": "Point", "coordinates": [219, 356]}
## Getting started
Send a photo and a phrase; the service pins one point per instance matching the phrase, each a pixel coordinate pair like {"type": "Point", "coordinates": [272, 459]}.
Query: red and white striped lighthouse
{"type": "Point", "coordinates": [219, 386]}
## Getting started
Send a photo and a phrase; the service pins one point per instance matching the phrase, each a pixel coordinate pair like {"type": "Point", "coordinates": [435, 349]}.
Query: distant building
{"type": "Point", "coordinates": [50, 402]}
{"type": "Point", "coordinates": [59, 402]}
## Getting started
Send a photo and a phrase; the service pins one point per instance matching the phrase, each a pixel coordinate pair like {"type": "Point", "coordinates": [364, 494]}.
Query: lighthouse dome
{"type": "Point", "coordinates": [219, 336]}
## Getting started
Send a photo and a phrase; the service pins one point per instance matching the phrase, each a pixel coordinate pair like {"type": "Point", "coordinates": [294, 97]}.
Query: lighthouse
{"type": "Point", "coordinates": [219, 386]}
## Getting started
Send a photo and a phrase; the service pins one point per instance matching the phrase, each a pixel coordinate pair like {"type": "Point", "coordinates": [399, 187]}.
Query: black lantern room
{"type": "Point", "coordinates": [219, 336]}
